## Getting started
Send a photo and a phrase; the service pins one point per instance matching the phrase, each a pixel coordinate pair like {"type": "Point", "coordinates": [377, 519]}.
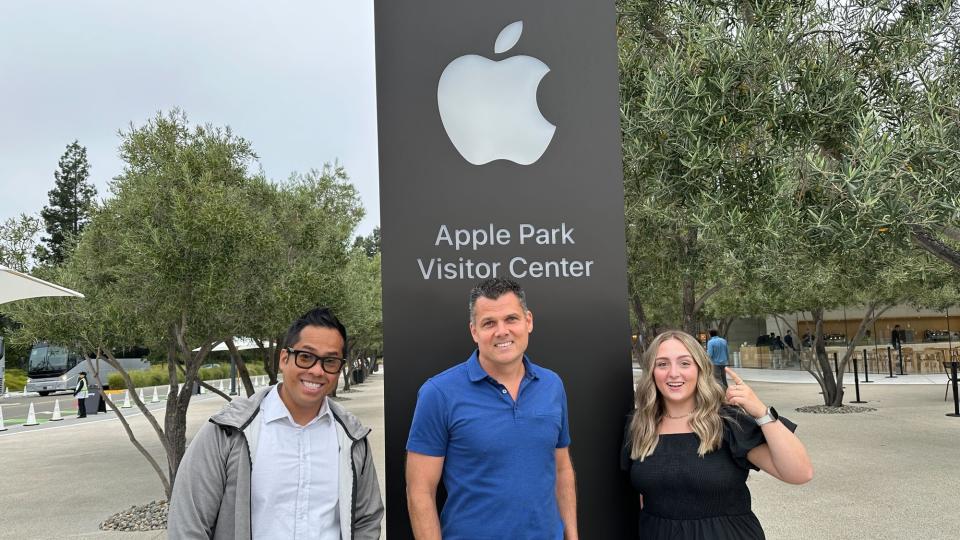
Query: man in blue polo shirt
{"type": "Point", "coordinates": [494, 429]}
{"type": "Point", "coordinates": [717, 351]}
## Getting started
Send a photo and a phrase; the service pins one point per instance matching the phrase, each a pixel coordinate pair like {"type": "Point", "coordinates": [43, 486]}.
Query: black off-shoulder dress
{"type": "Point", "coordinates": [686, 497]}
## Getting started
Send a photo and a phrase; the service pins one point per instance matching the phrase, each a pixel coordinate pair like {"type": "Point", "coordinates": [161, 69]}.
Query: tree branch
{"type": "Point", "coordinates": [126, 425]}
{"type": "Point", "coordinates": [241, 366]}
{"type": "Point", "coordinates": [698, 305]}
{"type": "Point", "coordinates": [933, 245]}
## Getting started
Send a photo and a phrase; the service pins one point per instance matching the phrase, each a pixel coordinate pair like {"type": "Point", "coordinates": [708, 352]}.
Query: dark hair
{"type": "Point", "coordinates": [494, 288]}
{"type": "Point", "coordinates": [713, 333]}
{"type": "Point", "coordinates": [318, 316]}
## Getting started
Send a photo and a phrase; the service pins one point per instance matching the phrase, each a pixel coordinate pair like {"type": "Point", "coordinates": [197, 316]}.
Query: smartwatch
{"type": "Point", "coordinates": [771, 416]}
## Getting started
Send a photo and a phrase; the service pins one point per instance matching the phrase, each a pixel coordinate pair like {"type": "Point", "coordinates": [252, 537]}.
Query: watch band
{"type": "Point", "coordinates": [771, 416]}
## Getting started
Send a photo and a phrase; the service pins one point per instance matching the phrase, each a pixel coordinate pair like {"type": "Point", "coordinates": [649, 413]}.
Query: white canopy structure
{"type": "Point", "coordinates": [17, 286]}
{"type": "Point", "coordinates": [242, 344]}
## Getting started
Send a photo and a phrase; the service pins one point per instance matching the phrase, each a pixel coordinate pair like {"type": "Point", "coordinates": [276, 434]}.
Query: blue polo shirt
{"type": "Point", "coordinates": [499, 465]}
{"type": "Point", "coordinates": [717, 350]}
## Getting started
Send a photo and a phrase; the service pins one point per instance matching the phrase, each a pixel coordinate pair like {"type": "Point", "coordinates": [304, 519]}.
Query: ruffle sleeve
{"type": "Point", "coordinates": [742, 434]}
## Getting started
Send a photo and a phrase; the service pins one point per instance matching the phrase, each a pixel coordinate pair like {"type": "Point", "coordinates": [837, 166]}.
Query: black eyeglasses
{"type": "Point", "coordinates": [306, 360]}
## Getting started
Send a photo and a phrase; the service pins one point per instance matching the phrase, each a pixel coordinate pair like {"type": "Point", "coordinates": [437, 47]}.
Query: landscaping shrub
{"type": "Point", "coordinates": [157, 376]}
{"type": "Point", "coordinates": [115, 381]}
{"type": "Point", "coordinates": [15, 379]}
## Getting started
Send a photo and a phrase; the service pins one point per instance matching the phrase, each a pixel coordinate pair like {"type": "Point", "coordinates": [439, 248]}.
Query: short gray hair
{"type": "Point", "coordinates": [494, 288]}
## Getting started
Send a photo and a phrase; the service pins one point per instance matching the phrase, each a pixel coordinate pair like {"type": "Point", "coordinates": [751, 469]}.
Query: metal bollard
{"type": "Point", "coordinates": [836, 368]}
{"type": "Point", "coordinates": [956, 400]}
{"type": "Point", "coordinates": [856, 381]}
{"type": "Point", "coordinates": [866, 371]}
{"type": "Point", "coordinates": [900, 355]}
{"type": "Point", "coordinates": [890, 365]}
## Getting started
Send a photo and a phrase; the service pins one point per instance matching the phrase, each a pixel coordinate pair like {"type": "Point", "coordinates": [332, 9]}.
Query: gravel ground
{"type": "Point", "coordinates": [843, 409]}
{"type": "Point", "coordinates": [146, 517]}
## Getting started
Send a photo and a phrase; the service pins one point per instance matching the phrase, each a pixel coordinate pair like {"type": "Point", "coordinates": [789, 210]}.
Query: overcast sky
{"type": "Point", "coordinates": [296, 78]}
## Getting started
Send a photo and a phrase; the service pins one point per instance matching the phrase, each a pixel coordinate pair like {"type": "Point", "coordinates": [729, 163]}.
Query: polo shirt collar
{"type": "Point", "coordinates": [476, 372]}
{"type": "Point", "coordinates": [272, 408]}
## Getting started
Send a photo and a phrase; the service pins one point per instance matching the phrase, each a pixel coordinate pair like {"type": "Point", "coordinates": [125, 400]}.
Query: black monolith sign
{"type": "Point", "coordinates": [500, 156]}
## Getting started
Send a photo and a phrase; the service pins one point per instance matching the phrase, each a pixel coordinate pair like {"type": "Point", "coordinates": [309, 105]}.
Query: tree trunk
{"type": "Point", "coordinates": [347, 374]}
{"type": "Point", "coordinates": [723, 326]}
{"type": "Point", "coordinates": [170, 424]}
{"type": "Point", "coordinates": [242, 371]}
{"type": "Point", "coordinates": [643, 332]}
{"type": "Point", "coordinates": [175, 427]}
{"type": "Point", "coordinates": [820, 366]}
{"type": "Point", "coordinates": [273, 366]}
{"type": "Point", "coordinates": [688, 300]}
{"type": "Point", "coordinates": [364, 363]}
{"type": "Point", "coordinates": [175, 419]}
{"type": "Point", "coordinates": [266, 354]}
{"type": "Point", "coordinates": [687, 305]}
{"type": "Point", "coordinates": [874, 311]}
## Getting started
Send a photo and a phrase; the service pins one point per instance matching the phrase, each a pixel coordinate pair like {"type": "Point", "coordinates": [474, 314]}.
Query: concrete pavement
{"type": "Point", "coordinates": [885, 474]}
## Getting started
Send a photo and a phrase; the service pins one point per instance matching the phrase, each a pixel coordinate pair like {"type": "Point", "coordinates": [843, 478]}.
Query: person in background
{"type": "Point", "coordinates": [776, 347]}
{"type": "Point", "coordinates": [791, 348]}
{"type": "Point", "coordinates": [717, 351]}
{"type": "Point", "coordinates": [82, 391]}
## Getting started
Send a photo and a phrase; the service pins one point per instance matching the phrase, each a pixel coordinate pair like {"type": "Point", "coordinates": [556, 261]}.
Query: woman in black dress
{"type": "Point", "coordinates": [689, 446]}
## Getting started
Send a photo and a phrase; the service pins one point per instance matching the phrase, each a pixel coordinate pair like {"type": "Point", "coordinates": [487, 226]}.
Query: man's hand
{"type": "Point", "coordinates": [567, 493]}
{"type": "Point", "coordinates": [423, 475]}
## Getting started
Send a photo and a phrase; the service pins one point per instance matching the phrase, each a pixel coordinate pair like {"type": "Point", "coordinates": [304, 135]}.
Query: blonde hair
{"type": "Point", "coordinates": [706, 421]}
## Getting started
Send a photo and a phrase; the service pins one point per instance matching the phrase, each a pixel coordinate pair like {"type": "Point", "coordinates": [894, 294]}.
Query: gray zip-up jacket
{"type": "Point", "coordinates": [211, 494]}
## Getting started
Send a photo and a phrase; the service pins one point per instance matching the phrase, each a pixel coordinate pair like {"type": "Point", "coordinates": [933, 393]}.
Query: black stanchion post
{"type": "Point", "coordinates": [866, 368]}
{"type": "Point", "coordinates": [856, 380]}
{"type": "Point", "coordinates": [900, 356]}
{"type": "Point", "coordinates": [956, 400]}
{"type": "Point", "coordinates": [890, 365]}
{"type": "Point", "coordinates": [233, 376]}
{"type": "Point", "coordinates": [836, 368]}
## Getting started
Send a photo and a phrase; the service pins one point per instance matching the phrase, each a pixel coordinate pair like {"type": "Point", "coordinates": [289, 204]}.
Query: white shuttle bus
{"type": "Point", "coordinates": [52, 368]}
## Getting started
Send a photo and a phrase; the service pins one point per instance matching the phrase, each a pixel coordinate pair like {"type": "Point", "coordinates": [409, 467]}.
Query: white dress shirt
{"type": "Point", "coordinates": [295, 483]}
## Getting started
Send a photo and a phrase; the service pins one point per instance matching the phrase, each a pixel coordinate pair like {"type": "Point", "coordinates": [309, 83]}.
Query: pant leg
{"type": "Point", "coordinates": [721, 375]}
{"type": "Point", "coordinates": [81, 408]}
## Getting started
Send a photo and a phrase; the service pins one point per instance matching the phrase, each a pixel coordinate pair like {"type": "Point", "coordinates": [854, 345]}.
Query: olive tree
{"type": "Point", "coordinates": [751, 129]}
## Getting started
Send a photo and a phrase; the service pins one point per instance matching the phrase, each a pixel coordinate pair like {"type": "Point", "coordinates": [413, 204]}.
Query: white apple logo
{"type": "Point", "coordinates": [489, 109]}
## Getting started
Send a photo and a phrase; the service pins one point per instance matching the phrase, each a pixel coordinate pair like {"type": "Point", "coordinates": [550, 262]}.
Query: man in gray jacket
{"type": "Point", "coordinates": [286, 462]}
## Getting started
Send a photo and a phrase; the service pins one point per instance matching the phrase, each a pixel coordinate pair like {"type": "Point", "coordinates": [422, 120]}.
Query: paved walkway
{"type": "Point", "coordinates": [885, 474]}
